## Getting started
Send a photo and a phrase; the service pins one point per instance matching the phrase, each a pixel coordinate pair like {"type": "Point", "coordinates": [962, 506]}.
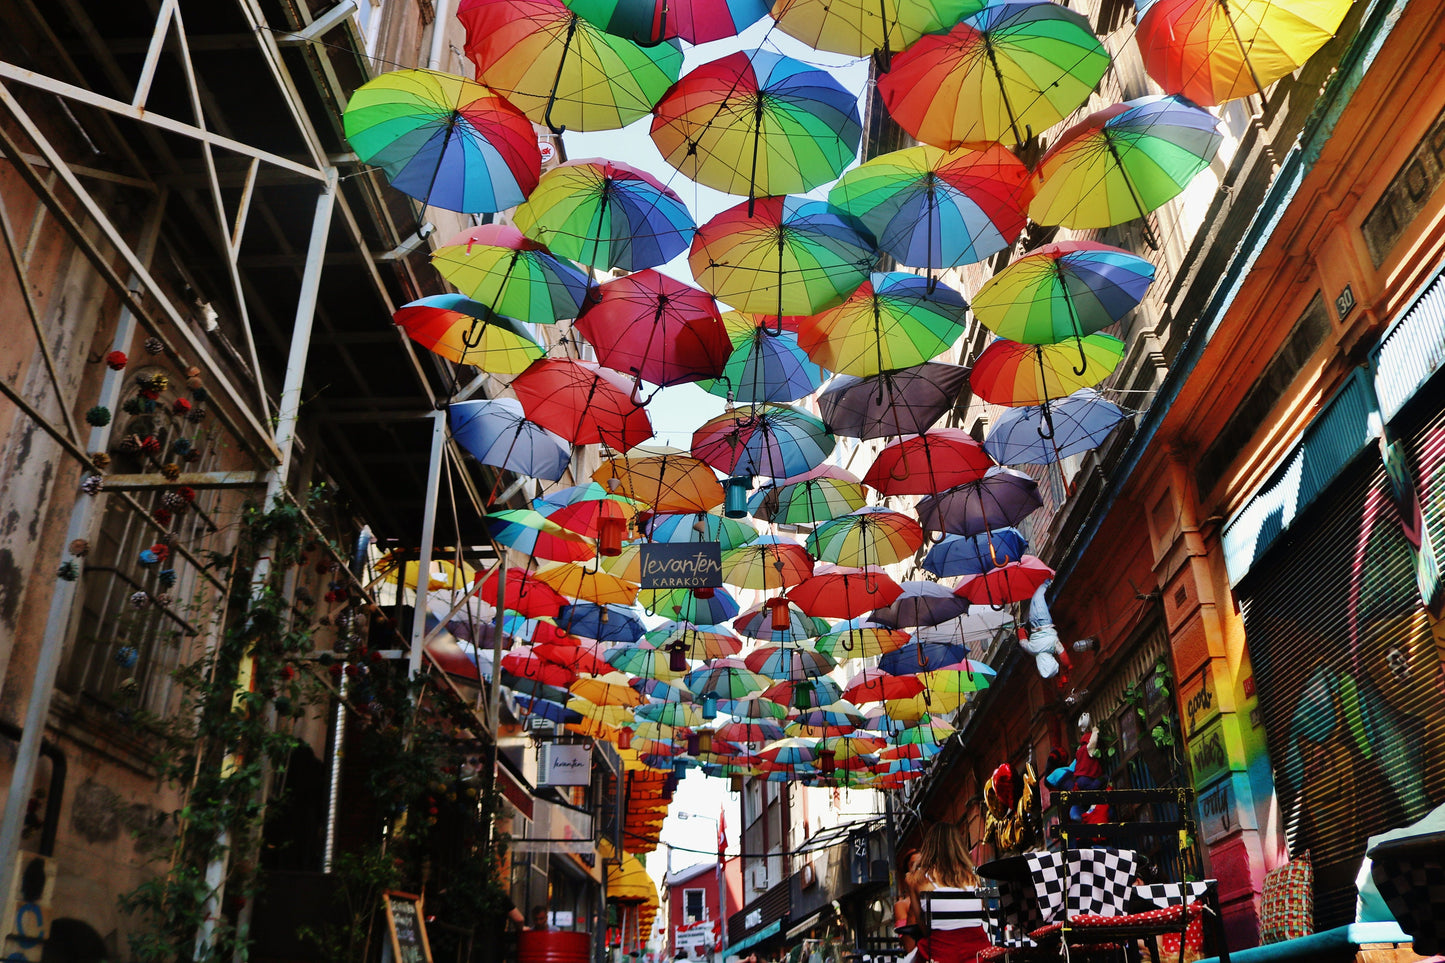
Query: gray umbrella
{"type": "Point", "coordinates": [1001, 497]}
{"type": "Point", "coordinates": [903, 402]}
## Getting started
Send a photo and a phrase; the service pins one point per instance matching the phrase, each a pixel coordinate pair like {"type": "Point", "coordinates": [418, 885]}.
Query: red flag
{"type": "Point", "coordinates": [722, 832]}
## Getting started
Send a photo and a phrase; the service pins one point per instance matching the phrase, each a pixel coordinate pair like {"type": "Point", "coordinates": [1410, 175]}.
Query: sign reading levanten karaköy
{"type": "Point", "coordinates": [680, 565]}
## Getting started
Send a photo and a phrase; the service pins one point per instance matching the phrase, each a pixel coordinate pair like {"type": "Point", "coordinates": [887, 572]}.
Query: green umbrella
{"type": "Point", "coordinates": [893, 320]}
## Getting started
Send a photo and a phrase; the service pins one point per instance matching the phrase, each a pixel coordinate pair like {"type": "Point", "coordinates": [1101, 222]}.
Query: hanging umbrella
{"type": "Point", "coordinates": [928, 732]}
{"type": "Point", "coordinates": [583, 402]}
{"type": "Point", "coordinates": [979, 624]}
{"type": "Point", "coordinates": [782, 661]}
{"type": "Point", "coordinates": [729, 533]}
{"type": "Point", "coordinates": [757, 623]}
{"type": "Point", "coordinates": [685, 605]}
{"type": "Point", "coordinates": [805, 694]}
{"type": "Point", "coordinates": [773, 440]}
{"type": "Point", "coordinates": [753, 731]}
{"type": "Point", "coordinates": [1214, 52]}
{"type": "Point", "coordinates": [767, 562]}
{"type": "Point", "coordinates": [668, 479]}
{"type": "Point", "coordinates": [789, 255]}
{"type": "Point", "coordinates": [859, 638]}
{"type": "Point", "coordinates": [764, 365]}
{"type": "Point", "coordinates": [496, 432]}
{"type": "Point", "coordinates": [868, 536]}
{"type": "Point", "coordinates": [657, 329]}
{"type": "Point", "coordinates": [931, 208]}
{"type": "Point", "coordinates": [582, 507]}
{"type": "Point", "coordinates": [561, 70]}
{"type": "Point", "coordinates": [658, 691]}
{"type": "Point", "coordinates": [836, 715]}
{"type": "Point", "coordinates": [696, 641]}
{"type": "Point", "coordinates": [496, 266]}
{"type": "Point", "coordinates": [790, 751]}
{"type": "Point", "coordinates": [916, 657]}
{"type": "Point", "coordinates": [844, 593]}
{"type": "Point", "coordinates": [1013, 374]}
{"type": "Point", "coordinates": [641, 660]}
{"type": "Point", "coordinates": [875, 685]}
{"type": "Point", "coordinates": [1009, 69]}
{"type": "Point", "coordinates": [1001, 497]}
{"type": "Point", "coordinates": [532, 534]}
{"type": "Point", "coordinates": [610, 689]}
{"type": "Point", "coordinates": [650, 21]}
{"type": "Point", "coordinates": [926, 463]}
{"type": "Point", "coordinates": [1038, 435]}
{"type": "Point", "coordinates": [444, 140]}
{"type": "Point", "coordinates": [589, 657]}
{"type": "Point", "coordinates": [534, 688]}
{"type": "Point", "coordinates": [975, 554]}
{"type": "Point", "coordinates": [522, 662]}
{"type": "Point", "coordinates": [606, 214]}
{"type": "Point", "coordinates": [858, 28]}
{"type": "Point", "coordinates": [462, 330]}
{"type": "Point", "coordinates": [1005, 584]}
{"type": "Point", "coordinates": [686, 714]}
{"type": "Point", "coordinates": [921, 603]}
{"type": "Point", "coordinates": [757, 122]}
{"type": "Point", "coordinates": [1122, 162]}
{"type": "Point", "coordinates": [753, 707]}
{"type": "Point", "coordinates": [578, 582]}
{"type": "Point", "coordinates": [893, 320]}
{"type": "Point", "coordinates": [543, 709]}
{"type": "Point", "coordinates": [725, 679]}
{"type": "Point", "coordinates": [612, 622]}
{"type": "Point", "coordinates": [904, 402]}
{"type": "Point", "coordinates": [522, 594]}
{"type": "Point", "coordinates": [816, 496]}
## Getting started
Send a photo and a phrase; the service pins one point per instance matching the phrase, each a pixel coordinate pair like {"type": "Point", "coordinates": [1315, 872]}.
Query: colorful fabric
{"type": "Point", "coordinates": [1287, 910]}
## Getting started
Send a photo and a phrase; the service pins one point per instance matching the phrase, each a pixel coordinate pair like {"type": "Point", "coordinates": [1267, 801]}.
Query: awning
{"type": "Point", "coordinates": [809, 921]}
{"type": "Point", "coordinates": [772, 929]}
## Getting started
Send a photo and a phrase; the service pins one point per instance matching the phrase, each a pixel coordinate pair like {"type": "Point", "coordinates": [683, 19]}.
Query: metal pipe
{"type": "Point", "coordinates": [428, 530]}
{"type": "Point", "coordinates": [333, 796]}
{"type": "Point", "coordinates": [439, 33]}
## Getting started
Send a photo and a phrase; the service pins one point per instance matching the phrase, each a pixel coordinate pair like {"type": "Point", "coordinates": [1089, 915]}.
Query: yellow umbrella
{"type": "Point", "coordinates": [613, 716]}
{"type": "Point", "coordinates": [593, 585]}
{"type": "Point", "coordinates": [611, 689]}
{"type": "Point", "coordinates": [444, 574]}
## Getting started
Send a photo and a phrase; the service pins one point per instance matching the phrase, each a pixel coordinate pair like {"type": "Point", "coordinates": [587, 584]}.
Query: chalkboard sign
{"type": "Point", "coordinates": [408, 928]}
{"type": "Point", "coordinates": [665, 565]}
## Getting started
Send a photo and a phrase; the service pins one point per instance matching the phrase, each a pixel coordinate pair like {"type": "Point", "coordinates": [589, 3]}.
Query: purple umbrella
{"type": "Point", "coordinates": [1001, 497]}
{"type": "Point", "coordinates": [903, 402]}
{"type": "Point", "coordinates": [922, 603]}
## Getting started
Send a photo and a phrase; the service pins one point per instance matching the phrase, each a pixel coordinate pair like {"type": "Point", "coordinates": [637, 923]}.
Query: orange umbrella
{"type": "Point", "coordinates": [670, 480]}
{"type": "Point", "coordinates": [593, 585]}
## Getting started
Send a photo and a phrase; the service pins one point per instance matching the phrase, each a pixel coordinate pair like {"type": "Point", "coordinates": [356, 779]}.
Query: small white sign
{"type": "Point", "coordinates": [564, 764]}
{"type": "Point", "coordinates": [549, 153]}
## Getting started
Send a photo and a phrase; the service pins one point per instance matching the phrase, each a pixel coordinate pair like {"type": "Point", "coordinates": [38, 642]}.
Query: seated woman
{"type": "Point", "coordinates": [905, 908]}
{"type": "Point", "coordinates": [953, 910]}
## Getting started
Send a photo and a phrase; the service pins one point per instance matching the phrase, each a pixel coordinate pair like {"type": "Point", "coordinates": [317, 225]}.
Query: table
{"type": "Point", "coordinates": [1410, 874]}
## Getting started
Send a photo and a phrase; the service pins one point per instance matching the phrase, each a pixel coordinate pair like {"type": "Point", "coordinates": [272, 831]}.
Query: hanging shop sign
{"type": "Point", "coordinates": [564, 764]}
{"type": "Point", "coordinates": [682, 565]}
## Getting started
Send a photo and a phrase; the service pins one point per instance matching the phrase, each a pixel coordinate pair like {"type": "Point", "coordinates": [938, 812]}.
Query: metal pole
{"type": "Point", "coordinates": [428, 529]}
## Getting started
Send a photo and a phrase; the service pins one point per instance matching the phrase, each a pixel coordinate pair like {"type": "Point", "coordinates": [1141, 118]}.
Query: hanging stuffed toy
{"type": "Point", "coordinates": [1041, 640]}
{"type": "Point", "coordinates": [1008, 797]}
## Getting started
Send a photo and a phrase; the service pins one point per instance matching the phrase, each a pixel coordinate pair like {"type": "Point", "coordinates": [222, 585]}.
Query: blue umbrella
{"type": "Point", "coordinates": [674, 529]}
{"type": "Point", "coordinates": [496, 432]}
{"type": "Point", "coordinates": [975, 554]}
{"type": "Point", "coordinates": [916, 657]}
{"type": "Point", "coordinates": [605, 623]}
{"type": "Point", "coordinates": [1040, 434]}
{"type": "Point", "coordinates": [764, 366]}
{"type": "Point", "coordinates": [546, 709]}
{"type": "Point", "coordinates": [684, 605]}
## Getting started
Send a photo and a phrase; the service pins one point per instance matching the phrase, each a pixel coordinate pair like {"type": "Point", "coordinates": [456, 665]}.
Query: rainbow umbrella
{"type": "Point", "coordinates": [496, 266]}
{"type": "Point", "coordinates": [757, 122]}
{"type": "Point", "coordinates": [790, 751]}
{"type": "Point", "coordinates": [782, 256]}
{"type": "Point", "coordinates": [757, 623]}
{"type": "Point", "coordinates": [767, 562]}
{"type": "Point", "coordinates": [687, 606]}
{"type": "Point", "coordinates": [696, 641]}
{"type": "Point", "coordinates": [462, 330]}
{"type": "Point", "coordinates": [657, 329]}
{"type": "Point", "coordinates": [859, 28]}
{"type": "Point", "coordinates": [975, 554]}
{"type": "Point", "coordinates": [892, 320]}
{"type": "Point", "coordinates": [820, 495]}
{"type": "Point", "coordinates": [860, 639]}
{"type": "Point", "coordinates": [845, 593]}
{"type": "Point", "coordinates": [779, 661]}
{"type": "Point", "coordinates": [1213, 52]}
{"type": "Point", "coordinates": [444, 140]}
{"type": "Point", "coordinates": [1122, 162]}
{"type": "Point", "coordinates": [754, 731]}
{"type": "Point", "coordinates": [868, 536]}
{"type": "Point", "coordinates": [1011, 67]}
{"type": "Point", "coordinates": [765, 365]}
{"type": "Point", "coordinates": [836, 715]}
{"type": "Point", "coordinates": [892, 403]}
{"type": "Point", "coordinates": [649, 21]}
{"type": "Point", "coordinates": [805, 693]}
{"type": "Point", "coordinates": [777, 441]}
{"type": "Point", "coordinates": [931, 208]}
{"type": "Point", "coordinates": [669, 479]}
{"type": "Point", "coordinates": [1012, 374]}
{"type": "Point", "coordinates": [699, 527]}
{"type": "Point", "coordinates": [606, 214]}
{"type": "Point", "coordinates": [564, 72]}
{"type": "Point", "coordinates": [754, 706]}
{"type": "Point", "coordinates": [582, 507]}
{"type": "Point", "coordinates": [495, 431]}
{"type": "Point", "coordinates": [583, 402]}
{"type": "Point", "coordinates": [686, 714]}
{"type": "Point", "coordinates": [532, 534]}
{"type": "Point", "coordinates": [641, 660]}
{"type": "Point", "coordinates": [725, 678]}
{"type": "Point", "coordinates": [1006, 583]}
{"type": "Point", "coordinates": [927, 463]}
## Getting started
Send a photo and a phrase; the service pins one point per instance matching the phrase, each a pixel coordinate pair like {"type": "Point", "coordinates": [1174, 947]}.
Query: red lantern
{"type": "Point", "coordinates": [704, 591]}
{"type": "Point", "coordinates": [779, 608]}
{"type": "Point", "coordinates": [609, 535]}
{"type": "Point", "coordinates": [624, 738]}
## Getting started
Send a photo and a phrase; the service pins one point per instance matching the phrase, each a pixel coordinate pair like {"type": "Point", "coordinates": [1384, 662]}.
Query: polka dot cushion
{"type": "Point", "coordinates": [1171, 916]}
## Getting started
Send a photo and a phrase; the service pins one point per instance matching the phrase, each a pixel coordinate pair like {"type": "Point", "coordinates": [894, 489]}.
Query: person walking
{"type": "Point", "coordinates": [953, 909]}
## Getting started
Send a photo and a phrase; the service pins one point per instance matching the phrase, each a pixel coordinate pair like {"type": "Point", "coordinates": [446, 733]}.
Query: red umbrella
{"type": "Point", "coordinates": [524, 662]}
{"type": "Point", "coordinates": [875, 685]}
{"type": "Point", "coordinates": [928, 463]}
{"type": "Point", "coordinates": [836, 592]}
{"type": "Point", "coordinates": [583, 402]}
{"type": "Point", "coordinates": [524, 595]}
{"type": "Point", "coordinates": [657, 329]}
{"type": "Point", "coordinates": [1011, 582]}
{"type": "Point", "coordinates": [577, 657]}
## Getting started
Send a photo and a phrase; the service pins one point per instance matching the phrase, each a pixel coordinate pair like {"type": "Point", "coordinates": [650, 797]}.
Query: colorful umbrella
{"type": "Point", "coordinates": [893, 320]}
{"type": "Point", "coordinates": [768, 562]}
{"type": "Point", "coordinates": [927, 463]}
{"type": "Point", "coordinates": [532, 534]}
{"type": "Point", "coordinates": [754, 706]}
{"type": "Point", "coordinates": [641, 660]}
{"type": "Point", "coordinates": [756, 122]}
{"type": "Point", "coordinates": [606, 214]}
{"type": "Point", "coordinates": [610, 689]}
{"type": "Point", "coordinates": [844, 593]}
{"type": "Point", "coordinates": [858, 28]}
{"type": "Point", "coordinates": [582, 507]}
{"type": "Point", "coordinates": [699, 527]}
{"type": "Point", "coordinates": [522, 662]}
{"type": "Point", "coordinates": [1013, 374]}
{"type": "Point", "coordinates": [805, 693]}
{"type": "Point", "coordinates": [836, 715]}
{"type": "Point", "coordinates": [780, 661]}
{"type": "Point", "coordinates": [1001, 497]}
{"type": "Point", "coordinates": [860, 639]}
{"type": "Point", "coordinates": [578, 582]}
{"type": "Point", "coordinates": [875, 685]}
{"type": "Point", "coordinates": [657, 329]}
{"type": "Point", "coordinates": [789, 255]}
{"type": "Point", "coordinates": [522, 594]}
{"type": "Point", "coordinates": [868, 536]}
{"type": "Point", "coordinates": [931, 208]}
{"type": "Point", "coordinates": [496, 266]}
{"type": "Point", "coordinates": [534, 688]}
{"type": "Point", "coordinates": [755, 731]}
{"type": "Point", "coordinates": [1214, 52]}
{"type": "Point", "coordinates": [582, 402]}
{"type": "Point", "coordinates": [1015, 68]}
{"type": "Point", "coordinates": [975, 554]}
{"type": "Point", "coordinates": [790, 751]}
{"type": "Point", "coordinates": [686, 714]}
{"type": "Point", "coordinates": [696, 641]}
{"type": "Point", "coordinates": [444, 140]}
{"type": "Point", "coordinates": [822, 494]}
{"type": "Point", "coordinates": [979, 624]}
{"type": "Point", "coordinates": [917, 657]}
{"type": "Point", "coordinates": [668, 479]}
{"type": "Point", "coordinates": [496, 432]}
{"type": "Point", "coordinates": [579, 657]}
{"type": "Point", "coordinates": [687, 606]}
{"type": "Point", "coordinates": [467, 332]}
{"type": "Point", "coordinates": [921, 603]}
{"type": "Point", "coordinates": [649, 21]}
{"type": "Point", "coordinates": [765, 365]}
{"type": "Point", "coordinates": [1039, 435]}
{"type": "Point", "coordinates": [1122, 162]}
{"type": "Point", "coordinates": [1008, 583]}
{"type": "Point", "coordinates": [544, 709]}
{"type": "Point", "coordinates": [725, 679]}
{"type": "Point", "coordinates": [611, 623]}
{"type": "Point", "coordinates": [777, 441]}
{"type": "Point", "coordinates": [903, 402]}
{"type": "Point", "coordinates": [561, 70]}
{"type": "Point", "coordinates": [757, 623]}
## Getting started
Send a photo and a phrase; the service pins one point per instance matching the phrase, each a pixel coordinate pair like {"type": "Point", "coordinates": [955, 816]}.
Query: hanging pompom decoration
{"type": "Point", "coordinates": [128, 686]}
{"type": "Point", "coordinates": [170, 469]}
{"type": "Point", "coordinates": [181, 406]}
{"type": "Point", "coordinates": [126, 656]}
{"type": "Point", "coordinates": [79, 547]}
{"type": "Point", "coordinates": [157, 382]}
{"type": "Point", "coordinates": [187, 492]}
{"type": "Point", "coordinates": [162, 515]}
{"type": "Point", "coordinates": [150, 445]}
{"type": "Point", "coordinates": [68, 571]}
{"type": "Point", "coordinates": [92, 484]}
{"type": "Point", "coordinates": [163, 599]}
{"type": "Point", "coordinates": [193, 455]}
{"type": "Point", "coordinates": [99, 416]}
{"type": "Point", "coordinates": [162, 552]}
{"type": "Point", "coordinates": [181, 446]}
{"type": "Point", "coordinates": [167, 577]}
{"type": "Point", "coordinates": [116, 360]}
{"type": "Point", "coordinates": [101, 459]}
{"type": "Point", "coordinates": [140, 599]}
{"type": "Point", "coordinates": [155, 345]}
{"type": "Point", "coordinates": [147, 557]}
{"type": "Point", "coordinates": [198, 392]}
{"type": "Point", "coordinates": [130, 443]}
{"type": "Point", "coordinates": [131, 406]}
{"type": "Point", "coordinates": [174, 502]}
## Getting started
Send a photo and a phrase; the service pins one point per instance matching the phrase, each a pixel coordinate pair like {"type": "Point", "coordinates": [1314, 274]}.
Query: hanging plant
{"type": "Point", "coordinates": [99, 416]}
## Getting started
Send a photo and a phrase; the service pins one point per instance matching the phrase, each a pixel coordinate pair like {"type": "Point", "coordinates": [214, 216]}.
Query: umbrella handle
{"type": "Point", "coordinates": [770, 331]}
{"type": "Point", "coordinates": [1083, 359]}
{"type": "Point", "coordinates": [636, 392]}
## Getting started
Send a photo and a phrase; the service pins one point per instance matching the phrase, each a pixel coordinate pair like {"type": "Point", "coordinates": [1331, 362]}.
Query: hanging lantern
{"type": "Point", "coordinates": [736, 783]}
{"type": "Point", "coordinates": [709, 707]}
{"type": "Point", "coordinates": [826, 760]}
{"type": "Point", "coordinates": [779, 609]}
{"type": "Point", "coordinates": [704, 591]}
{"type": "Point", "coordinates": [677, 657]}
{"type": "Point", "coordinates": [694, 744]}
{"type": "Point", "coordinates": [624, 738]}
{"type": "Point", "coordinates": [704, 740]}
{"type": "Point", "coordinates": [735, 496]}
{"type": "Point", "coordinates": [609, 535]}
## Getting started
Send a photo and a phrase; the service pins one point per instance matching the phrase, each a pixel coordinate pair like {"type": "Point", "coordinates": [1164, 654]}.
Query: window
{"type": "Point", "coordinates": [694, 906]}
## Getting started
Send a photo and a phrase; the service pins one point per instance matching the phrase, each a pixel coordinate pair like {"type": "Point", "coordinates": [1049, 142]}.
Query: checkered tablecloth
{"type": "Point", "coordinates": [1076, 881]}
{"type": "Point", "coordinates": [1414, 890]}
{"type": "Point", "coordinates": [1164, 895]}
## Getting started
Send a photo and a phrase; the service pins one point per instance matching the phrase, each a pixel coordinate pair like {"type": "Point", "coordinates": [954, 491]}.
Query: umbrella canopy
{"type": "Point", "coordinates": [444, 140]}
{"type": "Point", "coordinates": [582, 402]}
{"type": "Point", "coordinates": [586, 657]}
{"type": "Point", "coordinates": [931, 208]}
{"type": "Point", "coordinates": [782, 661]}
{"type": "Point", "coordinates": [835, 715]}
{"type": "Point", "coordinates": [975, 554]}
{"type": "Point", "coordinates": [668, 479]}
{"type": "Point", "coordinates": [729, 533]}
{"type": "Point", "coordinates": [467, 332]}
{"type": "Point", "coordinates": [777, 441]}
{"type": "Point", "coordinates": [641, 660]}
{"type": "Point", "coordinates": [919, 657]}
{"type": "Point", "coordinates": [581, 507]}
{"type": "Point", "coordinates": [610, 689]}
{"type": "Point", "coordinates": [754, 731]}
{"type": "Point", "coordinates": [893, 320]}
{"type": "Point", "coordinates": [1013, 374]}
{"type": "Point", "coordinates": [926, 463]}
{"type": "Point", "coordinates": [685, 605]}
{"type": "Point", "coordinates": [522, 594]}
{"type": "Point", "coordinates": [921, 603]}
{"type": "Point", "coordinates": [764, 365]}
{"type": "Point", "coordinates": [561, 70]}
{"type": "Point", "coordinates": [790, 751]}
{"type": "Point", "coordinates": [725, 679]}
{"type": "Point", "coordinates": [903, 402]}
{"type": "Point", "coordinates": [875, 685]}
{"type": "Point", "coordinates": [534, 688]}
{"type": "Point", "coordinates": [844, 593]}
{"type": "Point", "coordinates": [757, 623]}
{"type": "Point", "coordinates": [1122, 162]}
{"type": "Point", "coordinates": [578, 582]}
{"type": "Point", "coordinates": [757, 122]}
{"type": "Point", "coordinates": [1005, 584]}
{"type": "Point", "coordinates": [657, 329]}
{"type": "Point", "coordinates": [606, 623]}
{"type": "Point", "coordinates": [1038, 435]}
{"type": "Point", "coordinates": [1213, 52]}
{"type": "Point", "coordinates": [543, 709]}
{"type": "Point", "coordinates": [1001, 497]}
{"type": "Point", "coordinates": [696, 641]}
{"type": "Point", "coordinates": [860, 639]}
{"type": "Point", "coordinates": [522, 662]}
{"type": "Point", "coordinates": [650, 21]}
{"type": "Point", "coordinates": [496, 266]}
{"type": "Point", "coordinates": [495, 431]}
{"type": "Point", "coordinates": [767, 562]}
{"type": "Point", "coordinates": [824, 493]}
{"type": "Point", "coordinates": [805, 693]}
{"type": "Point", "coordinates": [671, 713]}
{"type": "Point", "coordinates": [782, 256]}
{"type": "Point", "coordinates": [1011, 69]}
{"type": "Point", "coordinates": [606, 214]}
{"type": "Point", "coordinates": [531, 533]}
{"type": "Point", "coordinates": [868, 536]}
{"type": "Point", "coordinates": [860, 27]}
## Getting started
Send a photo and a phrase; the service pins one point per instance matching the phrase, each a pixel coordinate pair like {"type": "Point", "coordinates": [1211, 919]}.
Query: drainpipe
{"type": "Point", "coordinates": [439, 34]}
{"type": "Point", "coordinates": [51, 825]}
